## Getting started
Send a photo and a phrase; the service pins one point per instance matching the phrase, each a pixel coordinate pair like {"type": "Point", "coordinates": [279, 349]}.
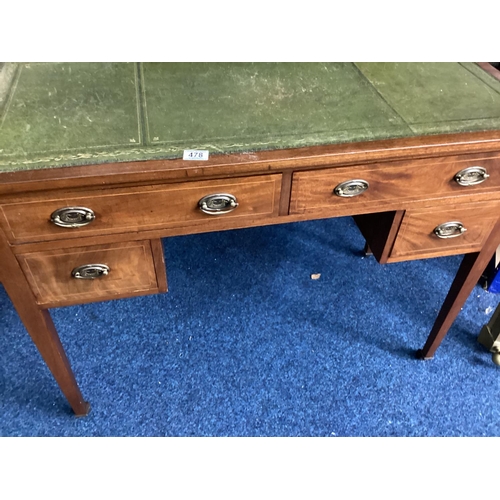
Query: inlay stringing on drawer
{"type": "Point", "coordinates": [99, 272]}
{"type": "Point", "coordinates": [71, 214]}
{"type": "Point", "coordinates": [444, 229]}
{"type": "Point", "coordinates": [378, 187]}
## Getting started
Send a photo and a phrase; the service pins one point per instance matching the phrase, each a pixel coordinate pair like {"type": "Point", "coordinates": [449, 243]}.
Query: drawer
{"type": "Point", "coordinates": [135, 268]}
{"type": "Point", "coordinates": [122, 210]}
{"type": "Point", "coordinates": [324, 192]}
{"type": "Point", "coordinates": [417, 239]}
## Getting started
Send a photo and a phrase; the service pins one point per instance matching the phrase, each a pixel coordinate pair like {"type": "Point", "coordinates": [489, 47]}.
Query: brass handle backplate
{"type": "Point", "coordinates": [449, 230]}
{"type": "Point", "coordinates": [90, 271]}
{"type": "Point", "coordinates": [217, 204]}
{"type": "Point", "coordinates": [471, 176]}
{"type": "Point", "coordinates": [348, 189]}
{"type": "Point", "coordinates": [72, 216]}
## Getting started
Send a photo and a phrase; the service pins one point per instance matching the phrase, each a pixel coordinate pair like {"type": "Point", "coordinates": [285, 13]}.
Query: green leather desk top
{"type": "Point", "coordinates": [60, 114]}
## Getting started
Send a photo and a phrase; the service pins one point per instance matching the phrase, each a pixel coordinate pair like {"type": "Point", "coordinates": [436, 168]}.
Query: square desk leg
{"type": "Point", "coordinates": [469, 272]}
{"type": "Point", "coordinates": [39, 325]}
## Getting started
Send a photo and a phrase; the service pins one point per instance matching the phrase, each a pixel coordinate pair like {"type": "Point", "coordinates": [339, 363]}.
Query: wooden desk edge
{"type": "Point", "coordinates": [495, 73]}
{"type": "Point", "coordinates": [176, 170]}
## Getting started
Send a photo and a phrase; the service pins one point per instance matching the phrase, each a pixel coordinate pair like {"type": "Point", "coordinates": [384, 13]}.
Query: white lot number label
{"type": "Point", "coordinates": [195, 154]}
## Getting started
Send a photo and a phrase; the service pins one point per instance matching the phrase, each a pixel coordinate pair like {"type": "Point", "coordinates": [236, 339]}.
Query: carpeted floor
{"type": "Point", "coordinates": [245, 343]}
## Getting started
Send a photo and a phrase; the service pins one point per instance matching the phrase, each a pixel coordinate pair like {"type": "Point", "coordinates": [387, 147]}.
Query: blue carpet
{"type": "Point", "coordinates": [245, 343]}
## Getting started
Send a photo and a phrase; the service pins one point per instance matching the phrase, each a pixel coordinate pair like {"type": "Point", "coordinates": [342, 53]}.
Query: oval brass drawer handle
{"type": "Point", "coordinates": [90, 271]}
{"type": "Point", "coordinates": [72, 216]}
{"type": "Point", "coordinates": [348, 189]}
{"type": "Point", "coordinates": [471, 176]}
{"type": "Point", "coordinates": [449, 230]}
{"type": "Point", "coordinates": [217, 204]}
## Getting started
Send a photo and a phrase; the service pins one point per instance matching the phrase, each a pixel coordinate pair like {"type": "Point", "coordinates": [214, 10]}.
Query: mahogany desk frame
{"type": "Point", "coordinates": [287, 164]}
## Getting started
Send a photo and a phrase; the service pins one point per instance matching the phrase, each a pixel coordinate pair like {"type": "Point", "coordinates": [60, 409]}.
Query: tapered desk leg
{"type": "Point", "coordinates": [39, 325]}
{"type": "Point", "coordinates": [469, 272]}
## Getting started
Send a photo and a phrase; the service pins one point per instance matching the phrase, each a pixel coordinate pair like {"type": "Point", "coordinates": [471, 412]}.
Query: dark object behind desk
{"type": "Point", "coordinates": [245, 343]}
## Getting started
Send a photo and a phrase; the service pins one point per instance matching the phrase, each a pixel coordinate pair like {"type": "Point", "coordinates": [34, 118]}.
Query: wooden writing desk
{"type": "Point", "coordinates": [92, 175]}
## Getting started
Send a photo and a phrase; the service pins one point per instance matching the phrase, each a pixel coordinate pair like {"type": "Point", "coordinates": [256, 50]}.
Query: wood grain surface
{"type": "Point", "coordinates": [416, 238]}
{"type": "Point", "coordinates": [132, 272]}
{"type": "Point", "coordinates": [124, 210]}
{"type": "Point", "coordinates": [312, 191]}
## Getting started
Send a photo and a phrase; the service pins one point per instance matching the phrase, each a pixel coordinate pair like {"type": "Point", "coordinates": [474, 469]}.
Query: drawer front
{"type": "Point", "coordinates": [131, 272]}
{"type": "Point", "coordinates": [143, 208]}
{"type": "Point", "coordinates": [417, 236]}
{"type": "Point", "coordinates": [389, 184]}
